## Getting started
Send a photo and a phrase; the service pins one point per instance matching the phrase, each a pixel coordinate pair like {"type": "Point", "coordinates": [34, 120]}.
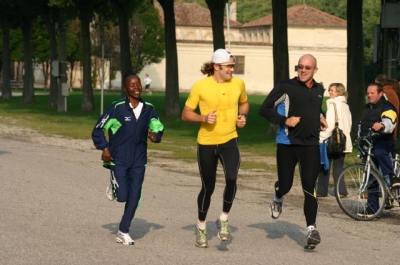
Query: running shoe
{"type": "Point", "coordinates": [110, 193]}
{"type": "Point", "coordinates": [124, 238]}
{"type": "Point", "coordinates": [223, 233]}
{"type": "Point", "coordinates": [276, 207]}
{"type": "Point", "coordinates": [201, 238]}
{"type": "Point", "coordinates": [312, 239]}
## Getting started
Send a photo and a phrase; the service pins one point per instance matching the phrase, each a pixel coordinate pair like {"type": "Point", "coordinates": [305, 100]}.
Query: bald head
{"type": "Point", "coordinates": [309, 58]}
{"type": "Point", "coordinates": [306, 69]}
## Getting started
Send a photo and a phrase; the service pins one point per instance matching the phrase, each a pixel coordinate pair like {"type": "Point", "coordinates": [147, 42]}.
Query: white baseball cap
{"type": "Point", "coordinates": [221, 56]}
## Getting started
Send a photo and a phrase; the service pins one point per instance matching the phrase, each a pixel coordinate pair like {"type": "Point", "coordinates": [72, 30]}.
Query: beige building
{"type": "Point", "coordinates": [309, 31]}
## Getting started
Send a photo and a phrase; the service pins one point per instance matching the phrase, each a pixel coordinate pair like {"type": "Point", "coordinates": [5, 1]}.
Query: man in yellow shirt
{"type": "Point", "coordinates": [223, 105]}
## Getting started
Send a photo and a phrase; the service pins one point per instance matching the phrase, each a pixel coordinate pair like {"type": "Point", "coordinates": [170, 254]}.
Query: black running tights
{"type": "Point", "coordinates": [208, 156]}
{"type": "Point", "coordinates": [308, 158]}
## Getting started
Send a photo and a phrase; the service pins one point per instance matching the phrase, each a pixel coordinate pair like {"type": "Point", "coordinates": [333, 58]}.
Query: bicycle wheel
{"type": "Point", "coordinates": [363, 202]}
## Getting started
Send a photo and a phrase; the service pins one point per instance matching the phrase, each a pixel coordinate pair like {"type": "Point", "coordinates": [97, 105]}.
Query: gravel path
{"type": "Point", "coordinates": [54, 211]}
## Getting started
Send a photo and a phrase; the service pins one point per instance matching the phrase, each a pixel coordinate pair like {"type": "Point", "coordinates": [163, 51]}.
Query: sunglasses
{"type": "Point", "coordinates": [301, 67]}
{"type": "Point", "coordinates": [230, 66]}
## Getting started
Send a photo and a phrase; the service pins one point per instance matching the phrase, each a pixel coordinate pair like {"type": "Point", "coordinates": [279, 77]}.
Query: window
{"type": "Point", "coordinates": [239, 64]}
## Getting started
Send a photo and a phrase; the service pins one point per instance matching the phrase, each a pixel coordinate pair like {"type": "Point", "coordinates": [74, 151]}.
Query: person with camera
{"type": "Point", "coordinates": [380, 116]}
{"type": "Point", "coordinates": [336, 107]}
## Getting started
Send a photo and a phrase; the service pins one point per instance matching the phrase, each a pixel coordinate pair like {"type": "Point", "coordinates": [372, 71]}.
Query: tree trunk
{"type": "Point", "coordinates": [355, 59]}
{"type": "Point", "coordinates": [172, 108]}
{"type": "Point", "coordinates": [124, 41]}
{"type": "Point", "coordinates": [27, 92]}
{"type": "Point", "coordinates": [87, 88]}
{"type": "Point", "coordinates": [279, 47]}
{"type": "Point", "coordinates": [50, 24]}
{"type": "Point", "coordinates": [71, 76]}
{"type": "Point", "coordinates": [6, 89]}
{"type": "Point", "coordinates": [280, 40]}
{"type": "Point", "coordinates": [217, 9]}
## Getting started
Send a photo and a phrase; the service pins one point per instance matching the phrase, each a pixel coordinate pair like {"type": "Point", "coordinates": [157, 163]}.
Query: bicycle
{"type": "Point", "coordinates": [364, 179]}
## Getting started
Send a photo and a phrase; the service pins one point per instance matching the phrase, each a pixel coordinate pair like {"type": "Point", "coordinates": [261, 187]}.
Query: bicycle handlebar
{"type": "Point", "coordinates": [366, 142]}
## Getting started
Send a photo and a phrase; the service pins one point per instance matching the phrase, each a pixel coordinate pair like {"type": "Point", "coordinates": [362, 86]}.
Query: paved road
{"type": "Point", "coordinates": [54, 211]}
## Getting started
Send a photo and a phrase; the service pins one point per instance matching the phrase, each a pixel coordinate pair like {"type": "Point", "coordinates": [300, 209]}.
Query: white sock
{"type": "Point", "coordinates": [223, 217]}
{"type": "Point", "coordinates": [278, 199]}
{"type": "Point", "coordinates": [310, 228]}
{"type": "Point", "coordinates": [201, 226]}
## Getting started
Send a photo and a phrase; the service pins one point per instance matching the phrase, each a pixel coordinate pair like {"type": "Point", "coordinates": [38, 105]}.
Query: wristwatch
{"type": "Point", "coordinates": [244, 115]}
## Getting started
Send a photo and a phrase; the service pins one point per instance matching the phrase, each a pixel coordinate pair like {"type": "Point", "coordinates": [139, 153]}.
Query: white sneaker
{"type": "Point", "coordinates": [313, 238]}
{"type": "Point", "coordinates": [223, 233]}
{"type": "Point", "coordinates": [124, 238]}
{"type": "Point", "coordinates": [110, 193]}
{"type": "Point", "coordinates": [275, 208]}
{"type": "Point", "coordinates": [201, 238]}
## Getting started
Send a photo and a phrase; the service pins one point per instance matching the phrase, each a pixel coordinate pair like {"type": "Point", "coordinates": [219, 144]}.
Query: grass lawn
{"type": "Point", "coordinates": [179, 137]}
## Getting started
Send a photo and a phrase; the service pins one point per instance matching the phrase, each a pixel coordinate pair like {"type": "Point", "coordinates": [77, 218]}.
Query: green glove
{"type": "Point", "coordinates": [155, 125]}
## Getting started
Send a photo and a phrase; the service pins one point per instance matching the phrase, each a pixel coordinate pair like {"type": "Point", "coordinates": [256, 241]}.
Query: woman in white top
{"type": "Point", "coordinates": [338, 95]}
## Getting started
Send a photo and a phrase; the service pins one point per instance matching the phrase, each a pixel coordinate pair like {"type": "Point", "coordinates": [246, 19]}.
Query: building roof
{"type": "Point", "coordinates": [188, 14]}
{"type": "Point", "coordinates": [303, 16]}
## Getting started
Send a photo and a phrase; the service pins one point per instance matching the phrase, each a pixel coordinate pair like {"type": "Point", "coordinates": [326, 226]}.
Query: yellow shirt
{"type": "Point", "coordinates": [209, 95]}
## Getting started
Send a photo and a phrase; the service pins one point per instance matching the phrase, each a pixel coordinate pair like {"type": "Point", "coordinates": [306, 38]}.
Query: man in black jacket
{"type": "Point", "coordinates": [295, 105]}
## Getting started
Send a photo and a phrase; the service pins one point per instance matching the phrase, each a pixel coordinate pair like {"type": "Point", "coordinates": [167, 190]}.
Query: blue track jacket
{"type": "Point", "coordinates": [127, 136]}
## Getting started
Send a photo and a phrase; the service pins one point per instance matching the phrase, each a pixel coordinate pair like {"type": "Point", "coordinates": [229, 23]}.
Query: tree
{"type": "Point", "coordinates": [6, 85]}
{"type": "Point", "coordinates": [147, 38]}
{"type": "Point", "coordinates": [107, 34]}
{"type": "Point", "coordinates": [50, 15]}
{"type": "Point", "coordinates": [86, 13]}
{"type": "Point", "coordinates": [41, 47]}
{"type": "Point", "coordinates": [217, 9]}
{"type": "Point", "coordinates": [280, 36]}
{"type": "Point", "coordinates": [86, 10]}
{"type": "Point", "coordinates": [280, 46]}
{"type": "Point", "coordinates": [355, 58]}
{"type": "Point", "coordinates": [6, 15]}
{"type": "Point", "coordinates": [26, 15]}
{"type": "Point", "coordinates": [74, 47]}
{"type": "Point", "coordinates": [124, 10]}
{"type": "Point", "coordinates": [172, 108]}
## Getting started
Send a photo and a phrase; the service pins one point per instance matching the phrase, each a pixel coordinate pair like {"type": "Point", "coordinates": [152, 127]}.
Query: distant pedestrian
{"type": "Point", "coordinates": [147, 81]}
{"type": "Point", "coordinates": [129, 122]}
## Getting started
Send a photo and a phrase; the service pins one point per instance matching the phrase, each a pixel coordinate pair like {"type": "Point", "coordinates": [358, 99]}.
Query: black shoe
{"type": "Point", "coordinates": [394, 181]}
{"type": "Point", "coordinates": [389, 204]}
